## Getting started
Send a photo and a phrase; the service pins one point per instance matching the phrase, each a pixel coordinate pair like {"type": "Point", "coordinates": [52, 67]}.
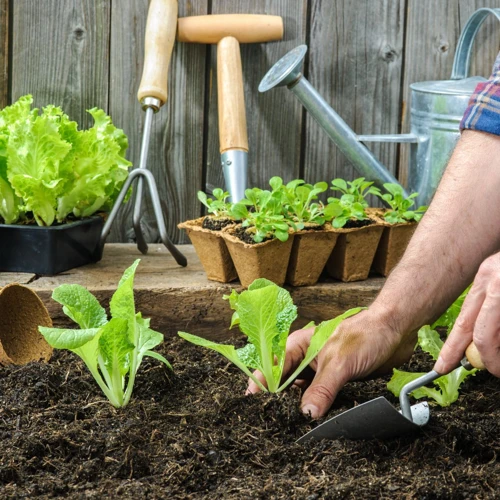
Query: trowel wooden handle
{"type": "Point", "coordinates": [160, 36]}
{"type": "Point", "coordinates": [474, 357]}
{"type": "Point", "coordinates": [246, 28]}
{"type": "Point", "coordinates": [232, 116]}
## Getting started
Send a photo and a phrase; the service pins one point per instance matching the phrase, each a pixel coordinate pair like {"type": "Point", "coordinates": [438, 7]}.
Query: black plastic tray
{"type": "Point", "coordinates": [50, 250]}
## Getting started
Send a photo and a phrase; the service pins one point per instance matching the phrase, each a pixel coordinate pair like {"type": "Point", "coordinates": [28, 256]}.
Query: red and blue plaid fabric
{"type": "Point", "coordinates": [483, 111]}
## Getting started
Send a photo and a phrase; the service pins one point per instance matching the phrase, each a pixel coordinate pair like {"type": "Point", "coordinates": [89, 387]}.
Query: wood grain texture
{"type": "Point", "coordinates": [85, 53]}
{"type": "Point", "coordinates": [432, 32]}
{"type": "Point", "coordinates": [274, 119]}
{"type": "Point", "coordinates": [183, 299]}
{"type": "Point", "coordinates": [176, 147]}
{"type": "Point", "coordinates": [161, 27]}
{"type": "Point", "coordinates": [4, 53]}
{"type": "Point", "coordinates": [21, 278]}
{"type": "Point", "coordinates": [232, 114]}
{"type": "Point", "coordinates": [60, 54]}
{"type": "Point", "coordinates": [355, 62]}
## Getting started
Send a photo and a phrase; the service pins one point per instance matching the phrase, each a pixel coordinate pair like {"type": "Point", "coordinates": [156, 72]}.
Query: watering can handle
{"type": "Point", "coordinates": [461, 62]}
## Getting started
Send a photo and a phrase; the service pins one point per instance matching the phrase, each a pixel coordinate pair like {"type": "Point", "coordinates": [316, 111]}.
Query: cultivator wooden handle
{"type": "Point", "coordinates": [161, 27]}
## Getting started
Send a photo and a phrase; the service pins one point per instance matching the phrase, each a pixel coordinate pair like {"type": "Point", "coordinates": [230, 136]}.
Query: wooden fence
{"type": "Point", "coordinates": [363, 54]}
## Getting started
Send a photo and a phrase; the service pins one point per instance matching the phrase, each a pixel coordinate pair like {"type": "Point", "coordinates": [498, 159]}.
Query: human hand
{"type": "Point", "coordinates": [479, 320]}
{"type": "Point", "coordinates": [361, 345]}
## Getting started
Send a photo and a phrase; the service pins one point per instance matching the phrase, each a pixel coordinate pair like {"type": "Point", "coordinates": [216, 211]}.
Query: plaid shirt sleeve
{"type": "Point", "coordinates": [483, 111]}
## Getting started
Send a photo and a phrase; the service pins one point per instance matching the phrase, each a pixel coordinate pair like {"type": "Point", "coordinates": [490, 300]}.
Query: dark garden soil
{"type": "Point", "coordinates": [247, 237]}
{"type": "Point", "coordinates": [354, 223]}
{"type": "Point", "coordinates": [215, 224]}
{"type": "Point", "coordinates": [193, 434]}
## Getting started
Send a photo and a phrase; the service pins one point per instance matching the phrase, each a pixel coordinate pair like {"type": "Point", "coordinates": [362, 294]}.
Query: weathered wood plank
{"type": "Point", "coordinates": [4, 53]}
{"type": "Point", "coordinates": [355, 62]}
{"type": "Point", "coordinates": [61, 54]}
{"type": "Point", "coordinates": [433, 29]}
{"type": "Point", "coordinates": [178, 298]}
{"type": "Point", "coordinates": [176, 147]}
{"type": "Point", "coordinates": [274, 119]}
{"type": "Point", "coordinates": [21, 278]}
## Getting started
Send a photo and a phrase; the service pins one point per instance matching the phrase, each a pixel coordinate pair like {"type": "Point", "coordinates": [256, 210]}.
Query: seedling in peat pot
{"type": "Point", "coordinates": [358, 189]}
{"type": "Point", "coordinates": [112, 350]}
{"type": "Point", "coordinates": [351, 205]}
{"type": "Point", "coordinates": [265, 313]}
{"type": "Point", "coordinates": [400, 206]}
{"type": "Point", "coordinates": [219, 206]}
{"type": "Point", "coordinates": [299, 199]}
{"type": "Point", "coordinates": [265, 219]}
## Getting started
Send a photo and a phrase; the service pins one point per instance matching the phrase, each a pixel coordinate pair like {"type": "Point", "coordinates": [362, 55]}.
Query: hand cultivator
{"type": "Point", "coordinates": [160, 35]}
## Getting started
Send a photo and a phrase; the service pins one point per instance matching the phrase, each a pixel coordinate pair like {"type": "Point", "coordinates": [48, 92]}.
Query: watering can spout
{"type": "Point", "coordinates": [286, 72]}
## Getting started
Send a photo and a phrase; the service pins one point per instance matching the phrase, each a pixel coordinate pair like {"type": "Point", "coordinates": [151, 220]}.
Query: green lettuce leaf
{"type": "Point", "coordinates": [10, 204]}
{"type": "Point", "coordinates": [80, 305]}
{"type": "Point", "coordinates": [98, 167]}
{"type": "Point", "coordinates": [34, 153]}
{"type": "Point", "coordinates": [446, 390]}
{"type": "Point", "coordinates": [448, 318]}
{"type": "Point", "coordinates": [65, 338]}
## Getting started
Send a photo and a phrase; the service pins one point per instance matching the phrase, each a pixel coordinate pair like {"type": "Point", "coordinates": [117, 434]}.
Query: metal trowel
{"type": "Point", "coordinates": [378, 419]}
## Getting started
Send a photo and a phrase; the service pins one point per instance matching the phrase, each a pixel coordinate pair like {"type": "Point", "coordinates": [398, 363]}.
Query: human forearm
{"type": "Point", "coordinates": [458, 232]}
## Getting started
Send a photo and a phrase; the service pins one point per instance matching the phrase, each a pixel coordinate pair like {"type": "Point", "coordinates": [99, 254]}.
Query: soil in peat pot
{"type": "Point", "coordinates": [193, 434]}
{"type": "Point", "coordinates": [355, 223]}
{"type": "Point", "coordinates": [216, 224]}
{"type": "Point", "coordinates": [247, 237]}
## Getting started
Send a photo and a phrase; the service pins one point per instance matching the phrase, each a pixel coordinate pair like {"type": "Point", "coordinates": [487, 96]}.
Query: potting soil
{"type": "Point", "coordinates": [192, 434]}
{"type": "Point", "coordinates": [215, 224]}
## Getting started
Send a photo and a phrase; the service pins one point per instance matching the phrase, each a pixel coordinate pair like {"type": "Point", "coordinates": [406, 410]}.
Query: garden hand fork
{"type": "Point", "coordinates": [160, 36]}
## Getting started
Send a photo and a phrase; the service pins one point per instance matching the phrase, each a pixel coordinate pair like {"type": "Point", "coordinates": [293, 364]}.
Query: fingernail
{"type": "Point", "coordinates": [310, 410]}
{"type": "Point", "coordinates": [438, 364]}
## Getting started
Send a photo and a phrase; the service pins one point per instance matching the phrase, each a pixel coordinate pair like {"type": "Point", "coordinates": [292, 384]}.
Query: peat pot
{"type": "Point", "coordinates": [50, 250]}
{"type": "Point", "coordinates": [310, 251]}
{"type": "Point", "coordinates": [392, 246]}
{"type": "Point", "coordinates": [268, 259]}
{"type": "Point", "coordinates": [353, 254]}
{"type": "Point", "coordinates": [21, 313]}
{"type": "Point", "coordinates": [211, 250]}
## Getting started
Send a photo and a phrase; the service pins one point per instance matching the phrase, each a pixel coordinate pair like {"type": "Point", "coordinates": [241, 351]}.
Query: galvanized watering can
{"type": "Point", "coordinates": [436, 110]}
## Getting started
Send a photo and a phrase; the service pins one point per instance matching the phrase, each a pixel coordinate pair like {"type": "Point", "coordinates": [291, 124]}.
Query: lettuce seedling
{"type": "Point", "coordinates": [346, 208]}
{"type": "Point", "coordinates": [400, 205]}
{"type": "Point", "coordinates": [265, 313]}
{"type": "Point", "coordinates": [112, 350]}
{"type": "Point", "coordinates": [447, 387]}
{"type": "Point", "coordinates": [219, 206]}
{"type": "Point", "coordinates": [300, 207]}
{"type": "Point", "coordinates": [358, 189]}
{"type": "Point", "coordinates": [265, 219]}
